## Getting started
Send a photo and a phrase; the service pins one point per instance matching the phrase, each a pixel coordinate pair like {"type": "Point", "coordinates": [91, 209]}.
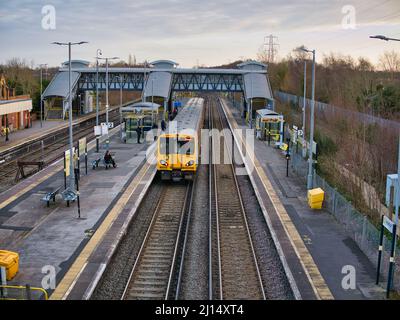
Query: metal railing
{"type": "Point", "coordinates": [329, 111]}
{"type": "Point", "coordinates": [355, 224]}
{"type": "Point", "coordinates": [8, 292]}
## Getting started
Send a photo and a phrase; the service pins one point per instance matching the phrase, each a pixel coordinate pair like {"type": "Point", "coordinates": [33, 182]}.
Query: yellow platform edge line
{"type": "Point", "coordinates": [81, 260]}
{"type": "Point", "coordinates": [29, 187]}
{"type": "Point", "coordinates": [315, 277]}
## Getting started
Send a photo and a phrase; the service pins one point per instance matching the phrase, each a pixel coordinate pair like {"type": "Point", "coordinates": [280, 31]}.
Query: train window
{"type": "Point", "coordinates": [168, 145]}
{"type": "Point", "coordinates": [186, 146]}
{"type": "Point", "coordinates": [172, 146]}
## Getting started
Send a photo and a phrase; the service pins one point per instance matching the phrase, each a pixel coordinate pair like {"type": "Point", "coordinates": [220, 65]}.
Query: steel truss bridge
{"type": "Point", "coordinates": [163, 78]}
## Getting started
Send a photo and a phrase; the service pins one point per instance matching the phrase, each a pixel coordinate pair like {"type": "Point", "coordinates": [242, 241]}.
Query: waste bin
{"type": "Point", "coordinates": [10, 261]}
{"type": "Point", "coordinates": [315, 198]}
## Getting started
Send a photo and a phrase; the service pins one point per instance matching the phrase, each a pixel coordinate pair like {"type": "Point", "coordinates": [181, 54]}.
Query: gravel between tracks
{"type": "Point", "coordinates": [194, 284]}
{"type": "Point", "coordinates": [115, 277]}
{"type": "Point", "coordinates": [273, 275]}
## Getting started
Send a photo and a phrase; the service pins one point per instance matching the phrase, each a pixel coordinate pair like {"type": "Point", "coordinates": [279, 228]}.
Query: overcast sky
{"type": "Point", "coordinates": [193, 31]}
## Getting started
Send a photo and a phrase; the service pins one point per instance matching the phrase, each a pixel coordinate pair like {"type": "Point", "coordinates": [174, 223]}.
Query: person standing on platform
{"type": "Point", "coordinates": [139, 133]}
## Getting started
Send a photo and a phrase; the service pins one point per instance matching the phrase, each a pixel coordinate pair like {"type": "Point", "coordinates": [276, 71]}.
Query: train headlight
{"type": "Point", "coordinates": [190, 163]}
{"type": "Point", "coordinates": [163, 162]}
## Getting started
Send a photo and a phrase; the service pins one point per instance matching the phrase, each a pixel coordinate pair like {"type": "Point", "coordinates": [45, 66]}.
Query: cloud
{"type": "Point", "coordinates": [158, 27]}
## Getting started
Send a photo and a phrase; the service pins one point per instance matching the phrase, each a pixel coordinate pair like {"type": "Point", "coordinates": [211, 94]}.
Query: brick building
{"type": "Point", "coordinates": [15, 111]}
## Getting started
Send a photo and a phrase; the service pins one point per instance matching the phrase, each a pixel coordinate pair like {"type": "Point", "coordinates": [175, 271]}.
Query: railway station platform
{"type": "Point", "coordinates": [35, 133]}
{"type": "Point", "coordinates": [320, 243]}
{"type": "Point", "coordinates": [21, 136]}
{"type": "Point", "coordinates": [52, 238]}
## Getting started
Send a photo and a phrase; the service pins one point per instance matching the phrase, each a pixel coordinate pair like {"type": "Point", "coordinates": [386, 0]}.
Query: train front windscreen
{"type": "Point", "coordinates": [173, 145]}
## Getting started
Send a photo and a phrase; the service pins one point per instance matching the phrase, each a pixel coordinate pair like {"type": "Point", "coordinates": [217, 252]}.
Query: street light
{"type": "Point", "coordinates": [80, 104]}
{"type": "Point", "coordinates": [152, 102]}
{"type": "Point", "coordinates": [304, 106]}
{"type": "Point", "coordinates": [144, 82]}
{"type": "Point", "coordinates": [71, 141]}
{"type": "Point", "coordinates": [397, 195]}
{"type": "Point", "coordinates": [107, 105]}
{"type": "Point", "coordinates": [120, 105]}
{"type": "Point", "coordinates": [380, 37]}
{"type": "Point", "coordinates": [310, 157]}
{"type": "Point", "coordinates": [303, 127]}
{"type": "Point", "coordinates": [251, 103]}
{"type": "Point", "coordinates": [98, 52]}
{"type": "Point", "coordinates": [41, 92]}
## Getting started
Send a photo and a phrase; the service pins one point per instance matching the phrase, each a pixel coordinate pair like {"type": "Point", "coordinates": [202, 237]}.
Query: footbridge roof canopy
{"type": "Point", "coordinates": [162, 77]}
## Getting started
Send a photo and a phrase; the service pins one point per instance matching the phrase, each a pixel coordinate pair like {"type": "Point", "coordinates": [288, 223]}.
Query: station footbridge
{"type": "Point", "coordinates": [158, 83]}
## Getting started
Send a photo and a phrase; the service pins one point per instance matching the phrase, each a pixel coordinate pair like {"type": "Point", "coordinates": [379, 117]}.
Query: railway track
{"type": "Point", "coordinates": [235, 274]}
{"type": "Point", "coordinates": [49, 149]}
{"type": "Point", "coordinates": [154, 272]}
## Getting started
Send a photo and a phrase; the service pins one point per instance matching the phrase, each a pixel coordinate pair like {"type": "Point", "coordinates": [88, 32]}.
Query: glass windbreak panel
{"type": "Point", "coordinates": [131, 124]}
{"type": "Point", "coordinates": [186, 146]}
{"type": "Point", "coordinates": [168, 145]}
{"type": "Point", "coordinates": [275, 126]}
{"type": "Point", "coordinates": [147, 122]}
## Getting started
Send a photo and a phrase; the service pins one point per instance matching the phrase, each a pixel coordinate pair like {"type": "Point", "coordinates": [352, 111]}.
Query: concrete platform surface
{"type": "Point", "coordinates": [52, 237]}
{"type": "Point", "coordinates": [326, 240]}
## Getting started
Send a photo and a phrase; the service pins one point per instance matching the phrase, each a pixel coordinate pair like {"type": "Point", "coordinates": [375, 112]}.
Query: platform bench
{"type": "Point", "coordinates": [51, 195]}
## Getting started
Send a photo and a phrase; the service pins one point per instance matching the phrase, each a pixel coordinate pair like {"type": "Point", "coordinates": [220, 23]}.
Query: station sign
{"type": "Point", "coordinates": [388, 224]}
{"type": "Point", "coordinates": [391, 181]}
{"type": "Point", "coordinates": [177, 104]}
{"type": "Point", "coordinates": [294, 134]}
{"type": "Point", "coordinates": [67, 160]}
{"type": "Point", "coordinates": [82, 146]}
{"type": "Point", "coordinates": [110, 124]}
{"type": "Point", "coordinates": [102, 129]}
{"type": "Point", "coordinates": [314, 146]}
{"type": "Point", "coordinates": [272, 118]}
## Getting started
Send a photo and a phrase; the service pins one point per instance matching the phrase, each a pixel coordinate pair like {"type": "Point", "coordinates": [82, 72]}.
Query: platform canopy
{"type": "Point", "coordinates": [58, 87]}
{"type": "Point", "coordinates": [140, 106]}
{"type": "Point", "coordinates": [158, 84]}
{"type": "Point", "coordinates": [267, 112]}
{"type": "Point", "coordinates": [256, 85]}
{"type": "Point", "coordinates": [13, 106]}
{"type": "Point", "coordinates": [164, 64]}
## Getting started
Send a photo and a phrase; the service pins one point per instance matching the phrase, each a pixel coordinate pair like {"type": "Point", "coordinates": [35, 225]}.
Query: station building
{"type": "Point", "coordinates": [15, 110]}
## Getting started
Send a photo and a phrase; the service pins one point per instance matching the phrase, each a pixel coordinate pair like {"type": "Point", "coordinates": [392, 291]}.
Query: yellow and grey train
{"type": "Point", "coordinates": [178, 147]}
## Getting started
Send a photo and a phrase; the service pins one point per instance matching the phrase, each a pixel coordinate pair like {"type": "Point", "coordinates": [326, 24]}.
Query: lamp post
{"type": "Point", "coordinates": [397, 196]}
{"type": "Point", "coordinates": [71, 141]}
{"type": "Point", "coordinates": [303, 128]}
{"type": "Point", "coordinates": [152, 102]}
{"type": "Point", "coordinates": [380, 37]}
{"type": "Point", "coordinates": [144, 82]}
{"type": "Point", "coordinates": [98, 52]}
{"type": "Point", "coordinates": [41, 93]}
{"type": "Point", "coordinates": [120, 106]}
{"type": "Point", "coordinates": [310, 157]}
{"type": "Point", "coordinates": [107, 84]}
{"type": "Point", "coordinates": [7, 127]}
{"type": "Point", "coordinates": [251, 103]}
{"type": "Point", "coordinates": [80, 104]}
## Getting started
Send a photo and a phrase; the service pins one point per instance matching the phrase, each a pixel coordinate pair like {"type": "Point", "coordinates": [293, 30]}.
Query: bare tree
{"type": "Point", "coordinates": [390, 62]}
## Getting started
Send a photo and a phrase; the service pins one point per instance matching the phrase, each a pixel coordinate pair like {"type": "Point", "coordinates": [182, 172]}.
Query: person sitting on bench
{"type": "Point", "coordinates": [109, 159]}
